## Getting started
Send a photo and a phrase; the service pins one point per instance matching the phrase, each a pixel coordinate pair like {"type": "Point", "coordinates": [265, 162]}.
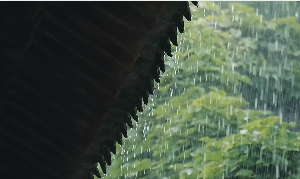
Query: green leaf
{"type": "Point", "coordinates": [244, 173]}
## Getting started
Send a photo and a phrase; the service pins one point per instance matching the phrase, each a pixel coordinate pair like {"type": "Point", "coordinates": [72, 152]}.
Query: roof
{"type": "Point", "coordinates": [73, 74]}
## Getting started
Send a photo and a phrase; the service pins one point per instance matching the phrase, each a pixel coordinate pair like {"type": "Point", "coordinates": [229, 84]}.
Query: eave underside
{"type": "Point", "coordinates": [67, 75]}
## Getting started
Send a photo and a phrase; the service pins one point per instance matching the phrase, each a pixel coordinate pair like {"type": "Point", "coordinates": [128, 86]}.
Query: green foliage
{"type": "Point", "coordinates": [215, 113]}
{"type": "Point", "coordinates": [262, 145]}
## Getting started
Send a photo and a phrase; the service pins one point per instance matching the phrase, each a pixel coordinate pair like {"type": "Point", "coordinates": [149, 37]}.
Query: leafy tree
{"type": "Point", "coordinates": [226, 92]}
{"type": "Point", "coordinates": [263, 149]}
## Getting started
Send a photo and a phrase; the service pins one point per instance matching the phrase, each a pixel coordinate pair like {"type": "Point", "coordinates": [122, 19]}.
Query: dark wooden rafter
{"type": "Point", "coordinates": [64, 66]}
